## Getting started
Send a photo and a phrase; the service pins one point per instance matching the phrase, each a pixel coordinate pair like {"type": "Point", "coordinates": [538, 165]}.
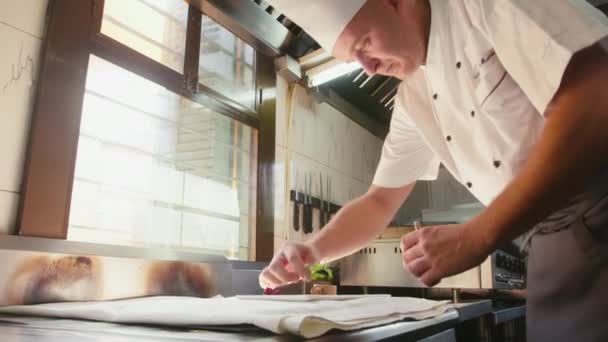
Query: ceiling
{"type": "Point", "coordinates": [367, 100]}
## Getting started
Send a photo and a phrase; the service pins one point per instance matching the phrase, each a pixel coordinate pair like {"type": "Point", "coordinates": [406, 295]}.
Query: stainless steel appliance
{"type": "Point", "coordinates": [380, 263]}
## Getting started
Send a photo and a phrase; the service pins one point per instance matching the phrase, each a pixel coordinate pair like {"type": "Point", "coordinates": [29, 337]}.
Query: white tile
{"type": "Point", "coordinates": [9, 203]}
{"type": "Point", "coordinates": [281, 193]}
{"type": "Point", "coordinates": [346, 146]}
{"type": "Point", "coordinates": [334, 178]}
{"type": "Point", "coordinates": [359, 151]}
{"type": "Point", "coordinates": [278, 243]}
{"type": "Point", "coordinates": [18, 70]}
{"type": "Point", "coordinates": [340, 188]}
{"type": "Point", "coordinates": [282, 111]}
{"type": "Point", "coordinates": [357, 189]}
{"type": "Point", "coordinates": [340, 143]}
{"type": "Point", "coordinates": [26, 15]}
{"type": "Point", "coordinates": [302, 131]}
{"type": "Point", "coordinates": [378, 144]}
{"type": "Point", "coordinates": [335, 122]}
{"type": "Point", "coordinates": [371, 156]}
{"type": "Point", "coordinates": [306, 170]}
{"type": "Point", "coordinates": [322, 136]}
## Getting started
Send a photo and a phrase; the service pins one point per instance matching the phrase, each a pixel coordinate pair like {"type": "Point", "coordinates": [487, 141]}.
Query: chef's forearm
{"type": "Point", "coordinates": [572, 149]}
{"type": "Point", "coordinates": [359, 222]}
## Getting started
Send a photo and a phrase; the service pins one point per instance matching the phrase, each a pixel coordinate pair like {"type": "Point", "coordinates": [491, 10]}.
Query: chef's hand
{"type": "Point", "coordinates": [290, 265]}
{"type": "Point", "coordinates": [435, 252]}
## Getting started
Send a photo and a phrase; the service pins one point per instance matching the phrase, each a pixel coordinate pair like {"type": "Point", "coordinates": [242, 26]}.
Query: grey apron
{"type": "Point", "coordinates": [568, 271]}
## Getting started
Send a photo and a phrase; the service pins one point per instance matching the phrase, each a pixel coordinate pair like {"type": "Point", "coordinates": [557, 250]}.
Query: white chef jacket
{"type": "Point", "coordinates": [492, 68]}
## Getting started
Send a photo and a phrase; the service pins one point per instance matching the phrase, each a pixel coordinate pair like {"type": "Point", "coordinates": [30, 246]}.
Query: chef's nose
{"type": "Point", "coordinates": [370, 65]}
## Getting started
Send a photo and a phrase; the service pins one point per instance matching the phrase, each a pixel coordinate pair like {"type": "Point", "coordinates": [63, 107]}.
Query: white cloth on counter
{"type": "Point", "coordinates": [306, 316]}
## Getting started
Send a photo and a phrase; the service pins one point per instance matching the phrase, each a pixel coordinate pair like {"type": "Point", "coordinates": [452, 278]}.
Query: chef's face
{"type": "Point", "coordinates": [387, 37]}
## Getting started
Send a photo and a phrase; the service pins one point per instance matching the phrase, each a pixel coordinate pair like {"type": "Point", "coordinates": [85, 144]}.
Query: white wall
{"type": "Point", "coordinates": [22, 26]}
{"type": "Point", "coordinates": [321, 140]}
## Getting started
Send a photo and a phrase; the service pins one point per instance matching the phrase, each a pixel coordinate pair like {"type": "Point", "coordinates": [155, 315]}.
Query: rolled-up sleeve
{"type": "Point", "coordinates": [405, 158]}
{"type": "Point", "coordinates": [536, 39]}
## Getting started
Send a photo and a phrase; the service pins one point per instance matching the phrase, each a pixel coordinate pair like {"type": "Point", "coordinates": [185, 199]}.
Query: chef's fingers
{"type": "Point", "coordinates": [278, 271]}
{"type": "Point", "coordinates": [309, 255]}
{"type": "Point", "coordinates": [295, 262]}
{"type": "Point", "coordinates": [267, 279]}
{"type": "Point", "coordinates": [413, 253]}
{"type": "Point", "coordinates": [409, 240]}
{"type": "Point", "coordinates": [429, 278]}
{"type": "Point", "coordinates": [418, 267]}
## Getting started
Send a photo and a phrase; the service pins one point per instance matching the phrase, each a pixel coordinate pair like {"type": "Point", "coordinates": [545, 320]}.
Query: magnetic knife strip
{"type": "Point", "coordinates": [309, 203]}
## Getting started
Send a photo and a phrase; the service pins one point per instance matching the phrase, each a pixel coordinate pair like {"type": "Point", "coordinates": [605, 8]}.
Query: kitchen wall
{"type": "Point", "coordinates": [22, 26]}
{"type": "Point", "coordinates": [318, 140]}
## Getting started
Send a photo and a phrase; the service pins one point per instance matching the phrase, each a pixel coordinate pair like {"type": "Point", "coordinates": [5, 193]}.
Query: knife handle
{"type": "Point", "coordinates": [307, 218]}
{"type": "Point", "coordinates": [321, 217]}
{"type": "Point", "coordinates": [296, 216]}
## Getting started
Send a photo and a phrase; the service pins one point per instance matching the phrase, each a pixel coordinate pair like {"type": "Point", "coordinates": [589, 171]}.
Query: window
{"type": "Point", "coordinates": [226, 63]}
{"type": "Point", "coordinates": [155, 169]}
{"type": "Point", "coordinates": [155, 28]}
{"type": "Point", "coordinates": [158, 161]}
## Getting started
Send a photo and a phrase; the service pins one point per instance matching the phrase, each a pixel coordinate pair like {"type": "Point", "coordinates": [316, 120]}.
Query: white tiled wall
{"type": "Point", "coordinates": [318, 139]}
{"type": "Point", "coordinates": [21, 33]}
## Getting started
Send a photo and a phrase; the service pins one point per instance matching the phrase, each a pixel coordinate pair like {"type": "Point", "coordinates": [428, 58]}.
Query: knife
{"type": "Point", "coordinates": [307, 224]}
{"type": "Point", "coordinates": [322, 216]}
{"type": "Point", "coordinates": [296, 207]}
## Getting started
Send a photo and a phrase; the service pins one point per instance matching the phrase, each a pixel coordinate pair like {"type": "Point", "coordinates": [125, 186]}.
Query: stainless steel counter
{"type": "Point", "coordinates": [508, 314]}
{"type": "Point", "coordinates": [230, 276]}
{"type": "Point", "coordinates": [474, 309]}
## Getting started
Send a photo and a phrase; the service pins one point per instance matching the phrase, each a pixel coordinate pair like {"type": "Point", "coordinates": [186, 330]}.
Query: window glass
{"type": "Point", "coordinates": [227, 63]}
{"type": "Point", "coordinates": [155, 28]}
{"type": "Point", "coordinates": [155, 169]}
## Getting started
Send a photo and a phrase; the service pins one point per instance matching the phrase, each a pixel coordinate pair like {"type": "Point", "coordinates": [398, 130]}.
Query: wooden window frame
{"type": "Point", "coordinates": [73, 34]}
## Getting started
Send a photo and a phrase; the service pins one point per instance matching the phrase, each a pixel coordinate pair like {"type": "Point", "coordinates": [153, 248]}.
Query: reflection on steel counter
{"type": "Point", "coordinates": [29, 277]}
{"type": "Point", "coordinates": [177, 278]}
{"type": "Point", "coordinates": [43, 279]}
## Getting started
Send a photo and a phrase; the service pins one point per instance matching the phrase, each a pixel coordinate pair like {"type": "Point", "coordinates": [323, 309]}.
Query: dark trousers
{"type": "Point", "coordinates": [568, 274]}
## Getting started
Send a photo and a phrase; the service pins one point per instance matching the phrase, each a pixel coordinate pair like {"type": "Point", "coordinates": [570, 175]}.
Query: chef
{"type": "Point", "coordinates": [511, 96]}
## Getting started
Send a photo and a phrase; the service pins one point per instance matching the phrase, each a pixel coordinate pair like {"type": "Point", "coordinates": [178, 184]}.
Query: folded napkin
{"type": "Point", "coordinates": [305, 316]}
